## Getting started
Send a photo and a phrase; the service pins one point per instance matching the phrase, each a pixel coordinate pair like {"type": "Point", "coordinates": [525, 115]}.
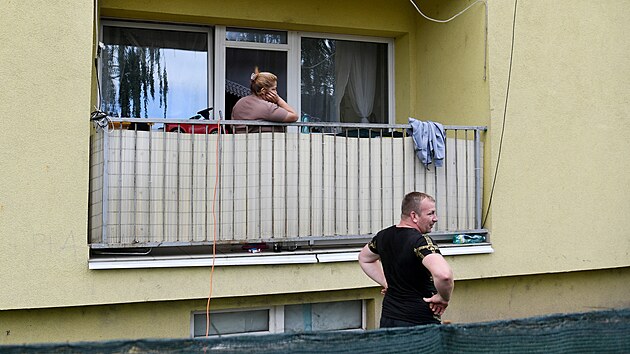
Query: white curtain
{"type": "Point", "coordinates": [355, 72]}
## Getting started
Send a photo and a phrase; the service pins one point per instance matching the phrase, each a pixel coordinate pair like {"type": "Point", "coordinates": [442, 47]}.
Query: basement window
{"type": "Point", "coordinates": [298, 318]}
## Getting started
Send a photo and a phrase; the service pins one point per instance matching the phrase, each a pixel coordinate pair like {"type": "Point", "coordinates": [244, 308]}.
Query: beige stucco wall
{"type": "Point", "coordinates": [561, 195]}
{"type": "Point", "coordinates": [539, 295]}
{"type": "Point", "coordinates": [140, 320]}
{"type": "Point", "coordinates": [473, 301]}
{"type": "Point", "coordinates": [44, 214]}
{"type": "Point", "coordinates": [45, 93]}
{"type": "Point", "coordinates": [561, 198]}
{"type": "Point", "coordinates": [452, 64]}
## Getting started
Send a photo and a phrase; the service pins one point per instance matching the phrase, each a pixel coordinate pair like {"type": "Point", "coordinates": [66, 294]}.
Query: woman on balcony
{"type": "Point", "coordinates": [263, 104]}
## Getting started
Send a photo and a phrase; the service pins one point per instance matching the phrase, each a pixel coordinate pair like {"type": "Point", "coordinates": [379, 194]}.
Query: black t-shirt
{"type": "Point", "coordinates": [401, 251]}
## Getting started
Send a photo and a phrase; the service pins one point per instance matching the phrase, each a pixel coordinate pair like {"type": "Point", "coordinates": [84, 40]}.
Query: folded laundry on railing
{"type": "Point", "coordinates": [429, 140]}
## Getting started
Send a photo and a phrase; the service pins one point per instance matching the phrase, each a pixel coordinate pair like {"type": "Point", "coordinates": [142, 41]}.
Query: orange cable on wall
{"type": "Point", "coordinates": [214, 223]}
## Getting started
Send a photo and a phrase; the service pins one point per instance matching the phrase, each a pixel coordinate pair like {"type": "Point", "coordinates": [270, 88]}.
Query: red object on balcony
{"type": "Point", "coordinates": [190, 128]}
{"type": "Point", "coordinates": [194, 128]}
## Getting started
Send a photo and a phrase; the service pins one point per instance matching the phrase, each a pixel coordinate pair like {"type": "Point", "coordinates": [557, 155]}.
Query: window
{"type": "Point", "coordinates": [255, 36]}
{"type": "Point", "coordinates": [238, 322]}
{"type": "Point", "coordinates": [344, 81]}
{"type": "Point", "coordinates": [326, 316]}
{"type": "Point", "coordinates": [154, 71]}
{"type": "Point", "coordinates": [173, 71]}
{"type": "Point", "coordinates": [247, 49]}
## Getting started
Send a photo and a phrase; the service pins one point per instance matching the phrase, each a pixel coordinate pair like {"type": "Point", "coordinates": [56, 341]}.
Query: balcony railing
{"type": "Point", "coordinates": [316, 183]}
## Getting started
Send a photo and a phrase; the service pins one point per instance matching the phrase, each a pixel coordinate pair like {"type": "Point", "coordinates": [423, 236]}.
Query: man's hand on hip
{"type": "Point", "coordinates": [437, 304]}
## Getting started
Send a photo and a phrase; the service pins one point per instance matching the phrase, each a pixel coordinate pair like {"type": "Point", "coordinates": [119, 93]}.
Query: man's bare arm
{"type": "Point", "coordinates": [442, 279]}
{"type": "Point", "coordinates": [371, 265]}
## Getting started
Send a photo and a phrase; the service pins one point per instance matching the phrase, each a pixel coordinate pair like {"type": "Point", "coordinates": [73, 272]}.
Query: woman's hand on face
{"type": "Point", "coordinates": [271, 96]}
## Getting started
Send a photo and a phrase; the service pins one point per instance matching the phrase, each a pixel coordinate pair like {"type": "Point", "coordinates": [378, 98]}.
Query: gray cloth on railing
{"type": "Point", "coordinates": [430, 141]}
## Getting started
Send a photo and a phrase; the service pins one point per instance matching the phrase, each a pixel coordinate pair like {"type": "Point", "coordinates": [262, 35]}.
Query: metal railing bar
{"type": "Point", "coordinates": [467, 152]}
{"type": "Point", "coordinates": [233, 184]}
{"type": "Point", "coordinates": [246, 185]}
{"type": "Point", "coordinates": [370, 205]}
{"type": "Point", "coordinates": [179, 187]}
{"type": "Point", "coordinates": [457, 180]}
{"type": "Point", "coordinates": [404, 165]}
{"type": "Point", "coordinates": [205, 179]}
{"type": "Point", "coordinates": [192, 185]}
{"type": "Point", "coordinates": [273, 182]}
{"type": "Point", "coordinates": [259, 183]}
{"type": "Point", "coordinates": [347, 186]}
{"type": "Point", "coordinates": [164, 184]}
{"type": "Point", "coordinates": [286, 186]}
{"type": "Point", "coordinates": [105, 192]}
{"type": "Point", "coordinates": [436, 193]}
{"type": "Point", "coordinates": [478, 186]}
{"type": "Point", "coordinates": [382, 201]}
{"type": "Point", "coordinates": [335, 185]}
{"type": "Point", "coordinates": [393, 187]}
{"type": "Point", "coordinates": [297, 124]}
{"type": "Point", "coordinates": [323, 191]}
{"type": "Point", "coordinates": [149, 228]}
{"type": "Point", "coordinates": [358, 212]}
{"type": "Point", "coordinates": [134, 204]}
{"type": "Point", "coordinates": [310, 183]}
{"type": "Point", "coordinates": [299, 187]}
{"type": "Point", "coordinates": [120, 185]}
{"type": "Point", "coordinates": [360, 239]}
{"type": "Point", "coordinates": [446, 189]}
{"type": "Point", "coordinates": [218, 204]}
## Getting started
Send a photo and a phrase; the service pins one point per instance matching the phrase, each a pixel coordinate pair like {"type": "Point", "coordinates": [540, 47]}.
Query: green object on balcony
{"type": "Point", "coordinates": [463, 238]}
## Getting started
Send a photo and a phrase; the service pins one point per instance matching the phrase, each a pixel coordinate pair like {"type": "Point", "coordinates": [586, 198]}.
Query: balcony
{"type": "Point", "coordinates": [312, 185]}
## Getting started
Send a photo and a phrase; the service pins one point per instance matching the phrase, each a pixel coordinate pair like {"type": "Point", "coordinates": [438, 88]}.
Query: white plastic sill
{"type": "Point", "coordinates": [297, 257]}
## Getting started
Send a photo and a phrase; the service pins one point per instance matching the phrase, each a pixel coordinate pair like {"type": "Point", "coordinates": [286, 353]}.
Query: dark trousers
{"type": "Point", "coordinates": [389, 323]}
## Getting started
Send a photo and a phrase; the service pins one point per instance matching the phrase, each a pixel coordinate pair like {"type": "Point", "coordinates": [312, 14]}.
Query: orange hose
{"type": "Point", "coordinates": [214, 223]}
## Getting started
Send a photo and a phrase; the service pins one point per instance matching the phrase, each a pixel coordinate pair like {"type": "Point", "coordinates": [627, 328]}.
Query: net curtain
{"type": "Point", "coordinates": [355, 73]}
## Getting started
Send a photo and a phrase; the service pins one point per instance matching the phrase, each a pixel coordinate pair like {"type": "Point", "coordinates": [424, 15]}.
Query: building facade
{"type": "Point", "coordinates": [547, 79]}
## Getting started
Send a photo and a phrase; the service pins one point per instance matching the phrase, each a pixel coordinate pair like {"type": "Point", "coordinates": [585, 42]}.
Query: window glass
{"type": "Point", "coordinates": [255, 36]}
{"type": "Point", "coordinates": [240, 64]}
{"type": "Point", "coordinates": [232, 322]}
{"type": "Point", "coordinates": [323, 316]}
{"type": "Point", "coordinates": [153, 73]}
{"type": "Point", "coordinates": [344, 81]}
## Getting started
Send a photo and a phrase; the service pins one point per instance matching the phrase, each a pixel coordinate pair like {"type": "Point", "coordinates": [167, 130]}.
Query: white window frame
{"type": "Point", "coordinates": [216, 56]}
{"type": "Point", "coordinates": [221, 45]}
{"type": "Point", "coordinates": [170, 27]}
{"type": "Point", "coordinates": [391, 110]}
{"type": "Point", "coordinates": [293, 50]}
{"type": "Point", "coordinates": [275, 315]}
{"type": "Point", "coordinates": [276, 319]}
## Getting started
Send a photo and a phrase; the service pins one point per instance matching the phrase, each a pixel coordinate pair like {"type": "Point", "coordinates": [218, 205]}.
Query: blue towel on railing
{"type": "Point", "coordinates": [430, 141]}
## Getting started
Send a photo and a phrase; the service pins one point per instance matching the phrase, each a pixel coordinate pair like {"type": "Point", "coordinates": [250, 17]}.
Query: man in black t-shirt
{"type": "Point", "coordinates": [417, 281]}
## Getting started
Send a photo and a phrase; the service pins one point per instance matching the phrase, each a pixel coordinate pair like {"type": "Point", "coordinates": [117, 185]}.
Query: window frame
{"type": "Point", "coordinates": [271, 325]}
{"type": "Point", "coordinates": [216, 58]}
{"type": "Point", "coordinates": [391, 104]}
{"type": "Point", "coordinates": [221, 45]}
{"type": "Point", "coordinates": [276, 318]}
{"type": "Point", "coordinates": [208, 30]}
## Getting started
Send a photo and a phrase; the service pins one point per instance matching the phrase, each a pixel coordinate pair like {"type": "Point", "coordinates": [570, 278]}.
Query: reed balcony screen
{"type": "Point", "coordinates": [315, 182]}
